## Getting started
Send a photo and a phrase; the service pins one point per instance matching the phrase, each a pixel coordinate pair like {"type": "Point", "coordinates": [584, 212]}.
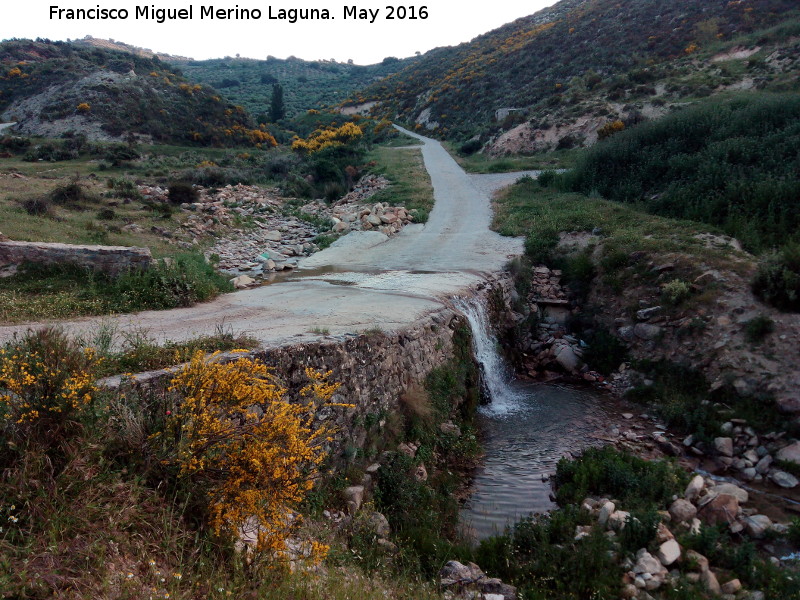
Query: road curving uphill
{"type": "Point", "coordinates": [363, 281]}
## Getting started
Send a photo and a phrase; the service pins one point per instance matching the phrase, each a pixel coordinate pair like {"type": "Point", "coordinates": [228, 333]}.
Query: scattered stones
{"type": "Point", "coordinates": [669, 552]}
{"type": "Point", "coordinates": [783, 479]}
{"type": "Point", "coordinates": [682, 511]}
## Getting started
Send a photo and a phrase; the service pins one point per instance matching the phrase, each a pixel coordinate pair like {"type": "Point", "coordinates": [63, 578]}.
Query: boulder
{"type": "Point", "coordinates": [698, 559]}
{"type": "Point", "coordinates": [379, 525]}
{"type": "Point", "coordinates": [763, 465]}
{"type": "Point", "coordinates": [731, 587]}
{"type": "Point", "coordinates": [783, 479]}
{"type": "Point", "coordinates": [242, 282]}
{"type": "Point", "coordinates": [645, 331]}
{"type": "Point", "coordinates": [271, 236]}
{"type": "Point", "coordinates": [724, 445]}
{"type": "Point", "coordinates": [618, 519]}
{"type": "Point", "coordinates": [710, 582]}
{"type": "Point", "coordinates": [647, 563]}
{"type": "Point", "coordinates": [730, 489]}
{"type": "Point", "coordinates": [568, 359]}
{"type": "Point", "coordinates": [605, 512]}
{"type": "Point", "coordinates": [757, 525]}
{"type": "Point", "coordinates": [694, 488]}
{"type": "Point", "coordinates": [354, 497]}
{"type": "Point", "coordinates": [668, 552]}
{"type": "Point", "coordinates": [682, 511]}
{"type": "Point", "coordinates": [453, 571]}
{"type": "Point", "coordinates": [723, 508]}
{"type": "Point", "coordinates": [790, 453]}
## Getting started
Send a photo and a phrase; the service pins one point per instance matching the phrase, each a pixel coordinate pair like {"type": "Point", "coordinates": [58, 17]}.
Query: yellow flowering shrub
{"type": "Point", "coordinates": [45, 378]}
{"type": "Point", "coordinates": [327, 138]}
{"type": "Point", "coordinates": [83, 107]}
{"type": "Point", "coordinates": [255, 453]}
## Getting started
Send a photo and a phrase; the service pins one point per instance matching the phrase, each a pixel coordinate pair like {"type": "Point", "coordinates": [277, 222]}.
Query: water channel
{"type": "Point", "coordinates": [527, 428]}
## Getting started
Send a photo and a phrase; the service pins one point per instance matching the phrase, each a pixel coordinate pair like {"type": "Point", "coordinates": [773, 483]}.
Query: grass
{"type": "Point", "coordinates": [59, 292]}
{"type": "Point", "coordinates": [483, 163]}
{"type": "Point", "coordinates": [411, 185]}
{"type": "Point", "coordinates": [138, 351]}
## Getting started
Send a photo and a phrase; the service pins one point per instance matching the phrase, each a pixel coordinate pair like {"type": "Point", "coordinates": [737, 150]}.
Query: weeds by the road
{"type": "Point", "coordinates": [411, 185]}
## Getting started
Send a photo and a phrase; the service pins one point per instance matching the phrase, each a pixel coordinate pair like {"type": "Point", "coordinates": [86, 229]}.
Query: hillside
{"type": "Point", "coordinates": [52, 88]}
{"type": "Point", "coordinates": [306, 84]}
{"type": "Point", "coordinates": [555, 77]}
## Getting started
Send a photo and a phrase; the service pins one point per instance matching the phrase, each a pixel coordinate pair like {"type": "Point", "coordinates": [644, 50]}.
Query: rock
{"type": "Point", "coordinates": [724, 445]}
{"type": "Point", "coordinates": [646, 331]}
{"type": "Point", "coordinates": [668, 552]}
{"type": "Point", "coordinates": [733, 586]}
{"type": "Point", "coordinates": [271, 236]}
{"type": "Point", "coordinates": [420, 472]}
{"type": "Point", "coordinates": [568, 359]}
{"type": "Point", "coordinates": [242, 282]}
{"type": "Point", "coordinates": [387, 546]}
{"type": "Point", "coordinates": [374, 220]}
{"type": "Point", "coordinates": [710, 582]}
{"type": "Point", "coordinates": [698, 559]}
{"type": "Point", "coordinates": [453, 571]}
{"type": "Point", "coordinates": [495, 587]}
{"type": "Point", "coordinates": [730, 489]}
{"type": "Point", "coordinates": [628, 591]}
{"type": "Point", "coordinates": [605, 512]}
{"type": "Point", "coordinates": [682, 511]}
{"type": "Point", "coordinates": [790, 453]}
{"type": "Point", "coordinates": [618, 519]}
{"type": "Point", "coordinates": [757, 526]}
{"type": "Point", "coordinates": [723, 508]}
{"type": "Point", "coordinates": [379, 525]}
{"type": "Point", "coordinates": [646, 563]}
{"type": "Point", "coordinates": [354, 497]}
{"type": "Point", "coordinates": [450, 429]}
{"type": "Point", "coordinates": [648, 313]}
{"type": "Point", "coordinates": [762, 466]}
{"type": "Point", "coordinates": [694, 488]}
{"type": "Point", "coordinates": [783, 479]}
{"type": "Point", "coordinates": [406, 449]}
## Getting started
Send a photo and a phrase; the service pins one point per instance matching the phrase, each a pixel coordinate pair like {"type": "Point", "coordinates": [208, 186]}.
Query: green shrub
{"type": "Point", "coordinates": [106, 214]}
{"type": "Point", "coordinates": [540, 556]}
{"type": "Point", "coordinates": [539, 246]}
{"type": "Point", "coordinates": [470, 147]}
{"type": "Point", "coordinates": [758, 328]}
{"type": "Point", "coordinates": [674, 292]}
{"type": "Point", "coordinates": [181, 192]}
{"type": "Point", "coordinates": [72, 193]}
{"type": "Point", "coordinates": [778, 279]}
{"type": "Point", "coordinates": [639, 531]}
{"type": "Point", "coordinates": [547, 178]}
{"type": "Point", "coordinates": [635, 482]}
{"type": "Point", "coordinates": [36, 207]}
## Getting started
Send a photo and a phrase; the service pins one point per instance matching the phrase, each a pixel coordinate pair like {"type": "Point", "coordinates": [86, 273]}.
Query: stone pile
{"type": "Point", "coordinates": [469, 581]}
{"type": "Point", "coordinates": [704, 503]}
{"type": "Point", "coordinates": [280, 236]}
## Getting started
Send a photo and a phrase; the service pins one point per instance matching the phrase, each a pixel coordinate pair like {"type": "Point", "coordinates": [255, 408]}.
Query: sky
{"type": "Point", "coordinates": [449, 22]}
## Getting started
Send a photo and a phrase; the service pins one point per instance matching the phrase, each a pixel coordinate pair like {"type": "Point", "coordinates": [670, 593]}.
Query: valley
{"type": "Point", "coordinates": [516, 318]}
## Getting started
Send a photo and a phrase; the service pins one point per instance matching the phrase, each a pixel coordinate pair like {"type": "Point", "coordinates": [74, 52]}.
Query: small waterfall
{"type": "Point", "coordinates": [495, 374]}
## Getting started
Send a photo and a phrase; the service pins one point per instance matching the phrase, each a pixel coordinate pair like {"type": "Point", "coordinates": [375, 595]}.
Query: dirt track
{"type": "Point", "coordinates": [364, 280]}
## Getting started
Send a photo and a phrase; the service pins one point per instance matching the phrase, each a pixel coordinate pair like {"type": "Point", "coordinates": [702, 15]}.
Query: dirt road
{"type": "Point", "coordinates": [363, 281]}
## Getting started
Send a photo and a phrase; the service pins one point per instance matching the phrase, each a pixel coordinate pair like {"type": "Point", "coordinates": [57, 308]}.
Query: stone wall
{"type": "Point", "coordinates": [374, 370]}
{"type": "Point", "coordinates": [107, 259]}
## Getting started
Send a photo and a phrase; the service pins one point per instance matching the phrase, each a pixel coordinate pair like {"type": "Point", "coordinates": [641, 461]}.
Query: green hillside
{"type": "Point", "coordinates": [307, 84]}
{"type": "Point", "coordinates": [52, 88]}
{"type": "Point", "coordinates": [593, 59]}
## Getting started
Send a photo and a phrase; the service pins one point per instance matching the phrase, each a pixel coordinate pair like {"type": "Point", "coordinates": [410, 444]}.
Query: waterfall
{"type": "Point", "coordinates": [495, 374]}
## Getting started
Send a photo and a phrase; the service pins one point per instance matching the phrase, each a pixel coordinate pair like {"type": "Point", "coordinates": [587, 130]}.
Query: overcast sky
{"type": "Point", "coordinates": [449, 22]}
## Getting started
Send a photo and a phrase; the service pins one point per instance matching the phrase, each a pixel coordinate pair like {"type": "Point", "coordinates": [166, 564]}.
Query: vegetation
{"type": "Point", "coordinates": [411, 185]}
{"type": "Point", "coordinates": [732, 163]}
{"type": "Point", "coordinates": [307, 85]}
{"type": "Point", "coordinates": [58, 292]}
{"type": "Point", "coordinates": [778, 279]}
{"type": "Point", "coordinates": [539, 64]}
{"type": "Point", "coordinates": [158, 102]}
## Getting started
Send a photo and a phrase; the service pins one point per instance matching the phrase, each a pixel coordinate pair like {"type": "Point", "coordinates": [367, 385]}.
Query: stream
{"type": "Point", "coordinates": [527, 428]}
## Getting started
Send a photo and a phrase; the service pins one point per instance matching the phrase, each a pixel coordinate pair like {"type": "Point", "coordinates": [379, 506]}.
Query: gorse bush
{"type": "Point", "coordinates": [182, 192]}
{"type": "Point", "coordinates": [46, 380]}
{"type": "Point", "coordinates": [731, 163]}
{"type": "Point", "coordinates": [254, 452]}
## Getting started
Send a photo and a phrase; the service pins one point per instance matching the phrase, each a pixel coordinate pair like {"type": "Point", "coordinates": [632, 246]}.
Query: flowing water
{"type": "Point", "coordinates": [528, 428]}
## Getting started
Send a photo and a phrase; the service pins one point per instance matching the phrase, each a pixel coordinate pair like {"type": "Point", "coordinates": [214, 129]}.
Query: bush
{"type": "Point", "coordinates": [72, 193]}
{"type": "Point", "coordinates": [470, 147]}
{"type": "Point", "coordinates": [778, 279]}
{"type": "Point", "coordinates": [46, 380]}
{"type": "Point", "coordinates": [539, 246]}
{"type": "Point", "coordinates": [758, 328]}
{"type": "Point", "coordinates": [635, 482]}
{"type": "Point", "coordinates": [187, 279]}
{"type": "Point", "coordinates": [547, 178]}
{"type": "Point", "coordinates": [674, 292]}
{"type": "Point", "coordinates": [254, 466]}
{"type": "Point", "coordinates": [106, 214]}
{"type": "Point", "coordinates": [36, 207]}
{"type": "Point", "coordinates": [605, 352]}
{"type": "Point", "coordinates": [181, 192]}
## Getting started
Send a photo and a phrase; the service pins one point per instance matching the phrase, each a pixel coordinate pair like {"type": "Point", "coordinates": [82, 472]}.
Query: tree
{"type": "Point", "coordinates": [277, 109]}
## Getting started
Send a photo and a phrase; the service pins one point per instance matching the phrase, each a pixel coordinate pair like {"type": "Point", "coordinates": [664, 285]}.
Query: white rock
{"type": "Point", "coordinates": [668, 552]}
{"type": "Point", "coordinates": [783, 479]}
{"type": "Point", "coordinates": [605, 512]}
{"type": "Point", "coordinates": [694, 488]}
{"type": "Point", "coordinates": [724, 445]}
